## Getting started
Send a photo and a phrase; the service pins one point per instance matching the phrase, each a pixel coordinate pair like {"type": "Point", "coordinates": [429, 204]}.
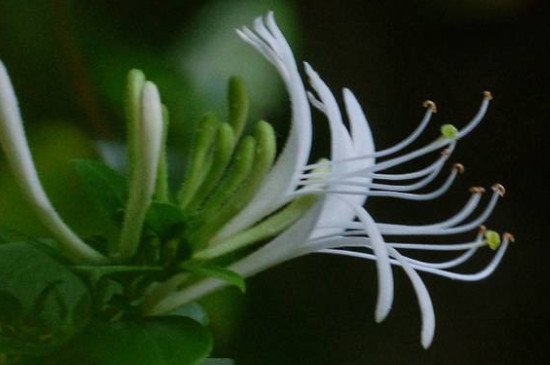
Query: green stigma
{"type": "Point", "coordinates": [449, 131]}
{"type": "Point", "coordinates": [492, 239]}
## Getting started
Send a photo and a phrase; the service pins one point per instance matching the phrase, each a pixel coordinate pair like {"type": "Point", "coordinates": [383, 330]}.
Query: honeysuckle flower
{"type": "Point", "coordinates": [336, 221]}
{"type": "Point", "coordinates": [245, 207]}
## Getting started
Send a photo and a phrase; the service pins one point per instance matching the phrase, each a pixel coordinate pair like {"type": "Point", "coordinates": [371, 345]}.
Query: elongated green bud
{"type": "Point", "coordinates": [142, 185]}
{"type": "Point", "coordinates": [197, 170]}
{"type": "Point", "coordinates": [162, 189]}
{"type": "Point", "coordinates": [240, 170]}
{"type": "Point", "coordinates": [238, 105]}
{"type": "Point", "coordinates": [238, 173]}
{"type": "Point", "coordinates": [223, 151]}
{"type": "Point", "coordinates": [266, 150]}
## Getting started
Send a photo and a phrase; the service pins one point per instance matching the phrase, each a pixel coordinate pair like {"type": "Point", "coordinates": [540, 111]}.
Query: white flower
{"type": "Point", "coordinates": [337, 222]}
{"type": "Point", "coordinates": [297, 207]}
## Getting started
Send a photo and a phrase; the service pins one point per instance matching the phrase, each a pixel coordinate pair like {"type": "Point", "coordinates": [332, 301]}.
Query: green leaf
{"type": "Point", "coordinates": [165, 220]}
{"type": "Point", "coordinates": [48, 295]}
{"type": "Point", "coordinates": [220, 273]}
{"type": "Point", "coordinates": [13, 346]}
{"type": "Point", "coordinates": [10, 307]}
{"type": "Point", "coordinates": [159, 341]}
{"type": "Point", "coordinates": [105, 185]}
{"type": "Point", "coordinates": [194, 311]}
{"type": "Point", "coordinates": [218, 362]}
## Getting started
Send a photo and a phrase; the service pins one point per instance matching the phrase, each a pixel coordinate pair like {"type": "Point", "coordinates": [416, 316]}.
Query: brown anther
{"type": "Point", "coordinates": [487, 95]}
{"type": "Point", "coordinates": [482, 230]}
{"type": "Point", "coordinates": [459, 168]}
{"type": "Point", "coordinates": [476, 190]}
{"type": "Point", "coordinates": [500, 189]}
{"type": "Point", "coordinates": [508, 237]}
{"type": "Point", "coordinates": [430, 104]}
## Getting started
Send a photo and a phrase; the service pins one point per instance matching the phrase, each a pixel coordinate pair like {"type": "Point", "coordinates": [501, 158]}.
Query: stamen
{"type": "Point", "coordinates": [508, 237]}
{"type": "Point", "coordinates": [450, 231]}
{"type": "Point", "coordinates": [435, 145]}
{"type": "Point", "coordinates": [430, 105]}
{"type": "Point", "coordinates": [413, 175]}
{"type": "Point", "coordinates": [339, 241]}
{"type": "Point", "coordinates": [410, 196]}
{"type": "Point", "coordinates": [445, 154]}
{"type": "Point", "coordinates": [432, 109]}
{"type": "Point", "coordinates": [492, 239]}
{"type": "Point", "coordinates": [459, 168]}
{"type": "Point", "coordinates": [477, 190]}
{"type": "Point", "coordinates": [482, 274]}
{"type": "Point", "coordinates": [500, 189]}
{"type": "Point", "coordinates": [449, 131]}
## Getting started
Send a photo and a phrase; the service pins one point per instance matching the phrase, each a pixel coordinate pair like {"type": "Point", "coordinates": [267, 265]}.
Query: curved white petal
{"type": "Point", "coordinates": [334, 210]}
{"type": "Point", "coordinates": [424, 300]}
{"type": "Point", "coordinates": [16, 147]}
{"type": "Point", "coordinates": [284, 177]}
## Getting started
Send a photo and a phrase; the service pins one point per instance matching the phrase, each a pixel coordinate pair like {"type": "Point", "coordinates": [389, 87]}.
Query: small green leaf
{"type": "Point", "coordinates": [165, 220]}
{"type": "Point", "coordinates": [105, 185]}
{"type": "Point", "coordinates": [194, 311]}
{"type": "Point", "coordinates": [159, 341]}
{"type": "Point", "coordinates": [220, 273]}
{"type": "Point", "coordinates": [33, 278]}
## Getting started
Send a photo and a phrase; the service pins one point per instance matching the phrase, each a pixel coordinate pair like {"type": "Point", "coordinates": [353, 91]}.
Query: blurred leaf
{"type": "Point", "coordinates": [159, 341]}
{"type": "Point", "coordinates": [165, 220]}
{"type": "Point", "coordinates": [105, 185]}
{"type": "Point", "coordinates": [54, 145]}
{"type": "Point", "coordinates": [218, 362]}
{"type": "Point", "coordinates": [10, 307]}
{"type": "Point", "coordinates": [220, 273]}
{"type": "Point", "coordinates": [194, 311]}
{"type": "Point", "coordinates": [13, 346]}
{"type": "Point", "coordinates": [210, 53]}
{"type": "Point", "coordinates": [27, 275]}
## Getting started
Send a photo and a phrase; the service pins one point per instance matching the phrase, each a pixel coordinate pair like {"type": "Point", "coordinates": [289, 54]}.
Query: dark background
{"type": "Point", "coordinates": [393, 54]}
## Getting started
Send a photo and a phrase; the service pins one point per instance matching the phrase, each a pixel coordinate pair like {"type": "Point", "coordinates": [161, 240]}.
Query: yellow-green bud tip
{"type": "Point", "coordinates": [492, 239]}
{"type": "Point", "coordinates": [449, 131]}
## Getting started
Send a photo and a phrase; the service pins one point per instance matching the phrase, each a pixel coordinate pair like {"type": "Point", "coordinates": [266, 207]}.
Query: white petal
{"type": "Point", "coordinates": [141, 194]}
{"type": "Point", "coordinates": [424, 300]}
{"type": "Point", "coordinates": [16, 147]}
{"type": "Point", "coordinates": [284, 177]}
